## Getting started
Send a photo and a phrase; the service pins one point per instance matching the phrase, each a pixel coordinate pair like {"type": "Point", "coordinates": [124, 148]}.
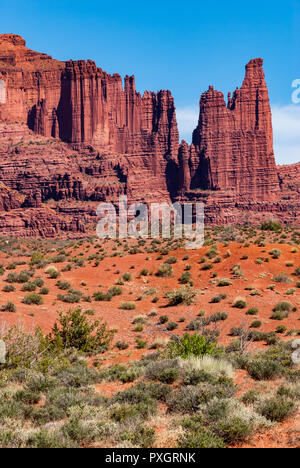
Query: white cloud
{"type": "Point", "coordinates": [286, 130]}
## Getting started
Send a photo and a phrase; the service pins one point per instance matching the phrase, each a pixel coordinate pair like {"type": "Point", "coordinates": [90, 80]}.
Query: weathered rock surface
{"type": "Point", "coordinates": [72, 136]}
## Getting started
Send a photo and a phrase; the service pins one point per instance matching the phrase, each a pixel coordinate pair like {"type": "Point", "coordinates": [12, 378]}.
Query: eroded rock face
{"type": "Point", "coordinates": [234, 141]}
{"type": "Point", "coordinates": [71, 136]}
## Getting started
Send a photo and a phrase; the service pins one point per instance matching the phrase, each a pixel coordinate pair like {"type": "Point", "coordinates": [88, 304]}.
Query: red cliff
{"type": "Point", "coordinates": [234, 142]}
{"type": "Point", "coordinates": [71, 136]}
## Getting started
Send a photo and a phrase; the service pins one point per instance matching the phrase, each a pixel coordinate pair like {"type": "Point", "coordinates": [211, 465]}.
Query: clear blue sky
{"type": "Point", "coordinates": [181, 46]}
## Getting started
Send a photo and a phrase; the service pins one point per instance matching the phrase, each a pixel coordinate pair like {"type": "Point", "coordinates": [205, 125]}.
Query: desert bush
{"type": "Point", "coordinates": [234, 430]}
{"type": "Point", "coordinates": [256, 324]}
{"type": "Point", "coordinates": [165, 371]}
{"type": "Point", "coordinates": [127, 306]}
{"type": "Point", "coordinates": [281, 329]}
{"type": "Point", "coordinates": [276, 408]}
{"type": "Point", "coordinates": [224, 282]}
{"type": "Point", "coordinates": [190, 345]}
{"type": "Point", "coordinates": [115, 291]}
{"type": "Point", "coordinates": [283, 306]}
{"type": "Point", "coordinates": [263, 369]}
{"type": "Point", "coordinates": [171, 260]}
{"type": "Point", "coordinates": [185, 278]}
{"type": "Point", "coordinates": [73, 296]}
{"type": "Point", "coordinates": [9, 288]}
{"type": "Point", "coordinates": [121, 345]}
{"type": "Point", "coordinates": [271, 225]}
{"type": "Point", "coordinates": [184, 295]}
{"type": "Point", "coordinates": [275, 253]}
{"type": "Point", "coordinates": [22, 348]}
{"type": "Point", "coordinates": [200, 438]}
{"type": "Point", "coordinates": [250, 397]}
{"type": "Point", "coordinates": [63, 285]}
{"type": "Point", "coordinates": [74, 330]}
{"type": "Point", "coordinates": [189, 399]}
{"type": "Point", "coordinates": [33, 298]}
{"type": "Point", "coordinates": [165, 270]}
{"type": "Point", "coordinates": [52, 272]}
{"type": "Point", "coordinates": [140, 344]}
{"type": "Point", "coordinates": [37, 258]}
{"type": "Point", "coordinates": [281, 277]}
{"type": "Point", "coordinates": [207, 365]}
{"type": "Point", "coordinates": [240, 302]}
{"type": "Point", "coordinates": [29, 286]}
{"type": "Point", "coordinates": [8, 307]}
{"type": "Point", "coordinates": [100, 296]}
{"type": "Point", "coordinates": [171, 326]}
{"type": "Point", "coordinates": [252, 311]}
{"type": "Point", "coordinates": [279, 315]}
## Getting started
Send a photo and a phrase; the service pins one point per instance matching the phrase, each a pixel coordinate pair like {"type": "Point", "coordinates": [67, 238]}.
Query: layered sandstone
{"type": "Point", "coordinates": [234, 141]}
{"type": "Point", "coordinates": [71, 136]}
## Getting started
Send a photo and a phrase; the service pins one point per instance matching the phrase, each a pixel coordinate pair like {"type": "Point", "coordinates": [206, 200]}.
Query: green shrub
{"type": "Point", "coordinates": [252, 311]}
{"type": "Point", "coordinates": [165, 270]}
{"type": "Point", "coordinates": [279, 315]}
{"type": "Point", "coordinates": [52, 272]}
{"type": "Point", "coordinates": [74, 330]}
{"type": "Point", "coordinates": [9, 288]}
{"type": "Point", "coordinates": [185, 278]}
{"type": "Point", "coordinates": [263, 369]}
{"type": "Point", "coordinates": [271, 225]}
{"type": "Point", "coordinates": [115, 291]}
{"type": "Point", "coordinates": [240, 303]}
{"type": "Point", "coordinates": [256, 324]}
{"type": "Point", "coordinates": [281, 278]}
{"type": "Point", "coordinates": [33, 298]}
{"type": "Point", "coordinates": [126, 277]}
{"type": "Point", "coordinates": [171, 260]}
{"type": "Point", "coordinates": [163, 319]}
{"type": "Point", "coordinates": [190, 345]}
{"type": "Point", "coordinates": [276, 408]}
{"type": "Point", "coordinates": [8, 307]}
{"type": "Point", "coordinates": [172, 326]}
{"type": "Point", "coordinates": [275, 253]}
{"type": "Point", "coordinates": [224, 282]}
{"type": "Point", "coordinates": [250, 397]}
{"type": "Point", "coordinates": [100, 296]}
{"type": "Point", "coordinates": [234, 430]}
{"type": "Point", "coordinates": [29, 286]}
{"type": "Point", "coordinates": [283, 306]}
{"type": "Point", "coordinates": [281, 329]}
{"type": "Point", "coordinates": [140, 344]}
{"type": "Point", "coordinates": [184, 295]}
{"type": "Point", "coordinates": [202, 438]}
{"type": "Point", "coordinates": [36, 258]}
{"type": "Point", "coordinates": [127, 306]}
{"type": "Point", "coordinates": [121, 345]}
{"type": "Point", "coordinates": [63, 285]}
{"type": "Point", "coordinates": [72, 297]}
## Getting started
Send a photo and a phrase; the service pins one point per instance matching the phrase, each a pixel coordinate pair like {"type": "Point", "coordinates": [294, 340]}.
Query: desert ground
{"type": "Point", "coordinates": [240, 290]}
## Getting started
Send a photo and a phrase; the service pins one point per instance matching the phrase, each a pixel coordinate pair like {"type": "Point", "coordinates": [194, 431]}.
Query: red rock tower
{"type": "Point", "coordinates": [235, 141]}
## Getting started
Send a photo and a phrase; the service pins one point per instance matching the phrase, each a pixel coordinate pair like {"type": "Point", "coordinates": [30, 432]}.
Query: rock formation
{"type": "Point", "coordinates": [71, 136]}
{"type": "Point", "coordinates": [234, 142]}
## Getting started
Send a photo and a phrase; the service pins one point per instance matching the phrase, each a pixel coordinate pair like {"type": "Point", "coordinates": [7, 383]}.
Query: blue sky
{"type": "Point", "coordinates": [181, 46]}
